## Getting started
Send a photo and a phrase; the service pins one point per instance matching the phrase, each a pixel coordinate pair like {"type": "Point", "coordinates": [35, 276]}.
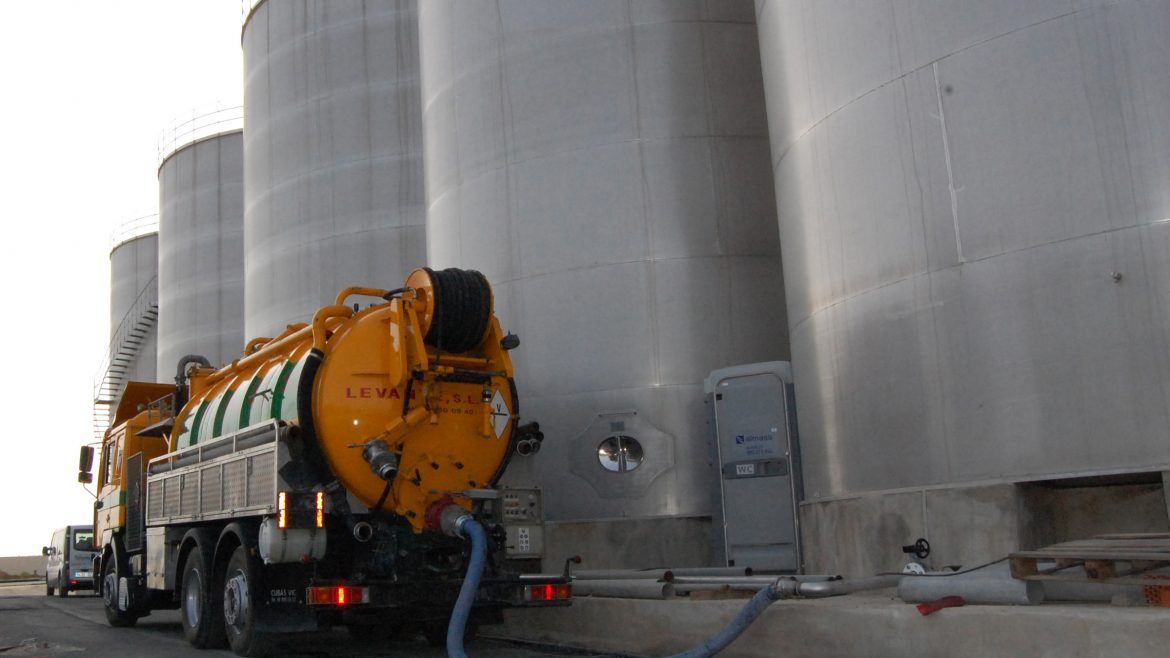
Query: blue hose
{"type": "Point", "coordinates": [739, 624]}
{"type": "Point", "coordinates": [474, 531]}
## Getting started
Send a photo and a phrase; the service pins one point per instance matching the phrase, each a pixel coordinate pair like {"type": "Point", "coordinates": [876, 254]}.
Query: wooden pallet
{"type": "Point", "coordinates": [1107, 558]}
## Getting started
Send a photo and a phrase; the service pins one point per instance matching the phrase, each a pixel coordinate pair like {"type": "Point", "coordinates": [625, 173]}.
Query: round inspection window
{"type": "Point", "coordinates": [620, 454]}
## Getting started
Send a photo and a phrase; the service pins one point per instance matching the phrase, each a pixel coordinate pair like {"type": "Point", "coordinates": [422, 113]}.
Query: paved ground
{"type": "Point", "coordinates": [32, 624]}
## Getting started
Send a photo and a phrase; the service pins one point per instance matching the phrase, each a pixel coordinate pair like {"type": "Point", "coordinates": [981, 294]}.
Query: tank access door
{"type": "Point", "coordinates": [752, 416]}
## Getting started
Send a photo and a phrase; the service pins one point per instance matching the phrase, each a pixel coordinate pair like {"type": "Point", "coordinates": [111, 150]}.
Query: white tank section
{"type": "Point", "coordinates": [605, 164]}
{"type": "Point", "coordinates": [201, 252]}
{"type": "Point", "coordinates": [333, 168]}
{"type": "Point", "coordinates": [133, 312]}
{"type": "Point", "coordinates": [973, 207]}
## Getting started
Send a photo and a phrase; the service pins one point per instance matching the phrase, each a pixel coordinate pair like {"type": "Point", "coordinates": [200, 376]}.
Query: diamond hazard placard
{"type": "Point", "coordinates": [500, 414]}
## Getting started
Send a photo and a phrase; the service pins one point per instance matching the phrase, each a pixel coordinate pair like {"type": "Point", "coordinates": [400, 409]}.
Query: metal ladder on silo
{"type": "Point", "coordinates": [125, 345]}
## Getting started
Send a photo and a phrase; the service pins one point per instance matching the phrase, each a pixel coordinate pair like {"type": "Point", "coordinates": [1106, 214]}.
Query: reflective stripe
{"type": "Point", "coordinates": [278, 392]}
{"type": "Point", "coordinates": [196, 423]}
{"type": "Point", "coordinates": [217, 427]}
{"type": "Point", "coordinates": [246, 407]}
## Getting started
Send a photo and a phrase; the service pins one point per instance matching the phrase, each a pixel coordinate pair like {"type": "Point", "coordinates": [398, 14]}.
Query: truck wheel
{"type": "Point", "coordinates": [63, 591]}
{"type": "Point", "coordinates": [239, 606]}
{"type": "Point", "coordinates": [48, 587]}
{"type": "Point", "coordinates": [200, 612]}
{"type": "Point", "coordinates": [117, 618]}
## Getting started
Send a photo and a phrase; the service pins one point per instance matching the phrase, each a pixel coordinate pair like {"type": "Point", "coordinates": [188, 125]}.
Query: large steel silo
{"type": "Point", "coordinates": [973, 204]}
{"type": "Point", "coordinates": [333, 154]}
{"type": "Point", "coordinates": [201, 252]}
{"type": "Point", "coordinates": [133, 311]}
{"type": "Point", "coordinates": [605, 164]}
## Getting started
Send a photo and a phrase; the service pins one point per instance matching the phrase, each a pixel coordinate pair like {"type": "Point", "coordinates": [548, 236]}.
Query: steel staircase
{"type": "Point", "coordinates": [125, 346]}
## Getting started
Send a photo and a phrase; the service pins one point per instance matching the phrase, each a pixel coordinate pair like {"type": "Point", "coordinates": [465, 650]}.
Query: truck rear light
{"type": "Point", "coordinates": [282, 510]}
{"type": "Point", "coordinates": [548, 592]}
{"type": "Point", "coordinates": [73, 582]}
{"type": "Point", "coordinates": [320, 509]}
{"type": "Point", "coordinates": [338, 595]}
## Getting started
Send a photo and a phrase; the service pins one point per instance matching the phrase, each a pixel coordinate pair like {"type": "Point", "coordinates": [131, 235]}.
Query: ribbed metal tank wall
{"type": "Point", "coordinates": [605, 164]}
{"type": "Point", "coordinates": [333, 154]}
{"type": "Point", "coordinates": [133, 284]}
{"type": "Point", "coordinates": [973, 205]}
{"type": "Point", "coordinates": [201, 252]}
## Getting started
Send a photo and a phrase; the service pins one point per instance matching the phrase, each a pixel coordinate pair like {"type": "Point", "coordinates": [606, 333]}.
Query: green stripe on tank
{"type": "Point", "coordinates": [246, 407]}
{"type": "Point", "coordinates": [198, 421]}
{"type": "Point", "coordinates": [217, 426]}
{"type": "Point", "coordinates": [278, 390]}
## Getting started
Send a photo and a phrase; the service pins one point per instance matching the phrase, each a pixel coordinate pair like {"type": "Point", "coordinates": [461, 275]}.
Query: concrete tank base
{"type": "Point", "coordinates": [630, 543]}
{"type": "Point", "coordinates": [858, 625]}
{"type": "Point", "coordinates": [862, 535]}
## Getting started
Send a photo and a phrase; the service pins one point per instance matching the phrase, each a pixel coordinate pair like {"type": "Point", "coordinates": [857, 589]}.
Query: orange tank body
{"type": "Point", "coordinates": [369, 375]}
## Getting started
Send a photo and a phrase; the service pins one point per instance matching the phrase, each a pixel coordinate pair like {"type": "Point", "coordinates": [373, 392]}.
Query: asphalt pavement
{"type": "Point", "coordinates": [32, 624]}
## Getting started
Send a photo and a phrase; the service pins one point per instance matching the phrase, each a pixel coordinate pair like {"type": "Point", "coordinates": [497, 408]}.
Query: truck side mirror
{"type": "Point", "coordinates": [85, 463]}
{"type": "Point", "coordinates": [45, 550]}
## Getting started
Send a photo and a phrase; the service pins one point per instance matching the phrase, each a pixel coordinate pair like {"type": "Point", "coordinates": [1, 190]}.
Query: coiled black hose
{"type": "Point", "coordinates": [463, 308]}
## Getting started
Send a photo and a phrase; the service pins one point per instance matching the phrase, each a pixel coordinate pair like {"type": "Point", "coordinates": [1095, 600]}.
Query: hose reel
{"type": "Point", "coordinates": [462, 309]}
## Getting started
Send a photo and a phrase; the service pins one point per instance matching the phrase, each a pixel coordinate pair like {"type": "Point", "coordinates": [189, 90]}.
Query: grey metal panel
{"type": "Point", "coordinates": [333, 166]}
{"type": "Point", "coordinates": [605, 164]}
{"type": "Point", "coordinates": [201, 252]}
{"type": "Point", "coordinates": [154, 497]}
{"type": "Point", "coordinates": [133, 267]}
{"type": "Point", "coordinates": [189, 494]}
{"type": "Point", "coordinates": [261, 480]}
{"type": "Point", "coordinates": [956, 189]}
{"type": "Point", "coordinates": [235, 484]}
{"type": "Point", "coordinates": [755, 519]}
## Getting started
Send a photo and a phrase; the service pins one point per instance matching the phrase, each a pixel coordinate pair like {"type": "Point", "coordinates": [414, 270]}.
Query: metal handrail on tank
{"type": "Point", "coordinates": [132, 229]}
{"type": "Point", "coordinates": [203, 122]}
{"type": "Point", "coordinates": [246, 7]}
{"type": "Point", "coordinates": [262, 433]}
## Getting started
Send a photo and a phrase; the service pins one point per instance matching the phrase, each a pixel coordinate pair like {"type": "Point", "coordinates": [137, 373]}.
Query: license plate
{"type": "Point", "coordinates": [745, 469]}
{"type": "Point", "coordinates": [83, 574]}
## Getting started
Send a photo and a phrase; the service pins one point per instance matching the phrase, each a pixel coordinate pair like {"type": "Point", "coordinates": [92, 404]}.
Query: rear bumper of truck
{"type": "Point", "coordinates": [438, 596]}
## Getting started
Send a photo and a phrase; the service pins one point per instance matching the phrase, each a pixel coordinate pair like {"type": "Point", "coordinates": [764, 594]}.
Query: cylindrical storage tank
{"type": "Point", "coordinates": [605, 163]}
{"type": "Point", "coordinates": [973, 207]}
{"type": "Point", "coordinates": [201, 252]}
{"type": "Point", "coordinates": [134, 308]}
{"type": "Point", "coordinates": [333, 153]}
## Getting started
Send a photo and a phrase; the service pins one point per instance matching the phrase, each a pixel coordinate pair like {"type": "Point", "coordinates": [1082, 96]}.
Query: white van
{"type": "Point", "coordinates": [70, 564]}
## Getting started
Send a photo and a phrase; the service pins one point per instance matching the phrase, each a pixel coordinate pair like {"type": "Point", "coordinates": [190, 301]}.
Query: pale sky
{"type": "Point", "coordinates": [88, 87]}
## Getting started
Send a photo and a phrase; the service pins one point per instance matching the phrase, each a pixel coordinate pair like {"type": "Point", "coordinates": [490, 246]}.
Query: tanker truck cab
{"type": "Point", "coordinates": [340, 472]}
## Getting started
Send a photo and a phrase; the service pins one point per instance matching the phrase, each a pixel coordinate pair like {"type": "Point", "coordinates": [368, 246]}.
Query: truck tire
{"type": "Point", "coordinates": [63, 590]}
{"type": "Point", "coordinates": [239, 606]}
{"type": "Point", "coordinates": [116, 618]}
{"type": "Point", "coordinates": [200, 611]}
{"type": "Point", "coordinates": [48, 587]}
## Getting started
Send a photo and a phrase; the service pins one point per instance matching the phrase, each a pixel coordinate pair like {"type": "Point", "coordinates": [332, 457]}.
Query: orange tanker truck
{"type": "Point", "coordinates": [342, 472]}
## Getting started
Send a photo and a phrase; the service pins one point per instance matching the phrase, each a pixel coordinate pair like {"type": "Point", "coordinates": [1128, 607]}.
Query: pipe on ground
{"type": "Point", "coordinates": [624, 589]}
{"type": "Point", "coordinates": [990, 586]}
